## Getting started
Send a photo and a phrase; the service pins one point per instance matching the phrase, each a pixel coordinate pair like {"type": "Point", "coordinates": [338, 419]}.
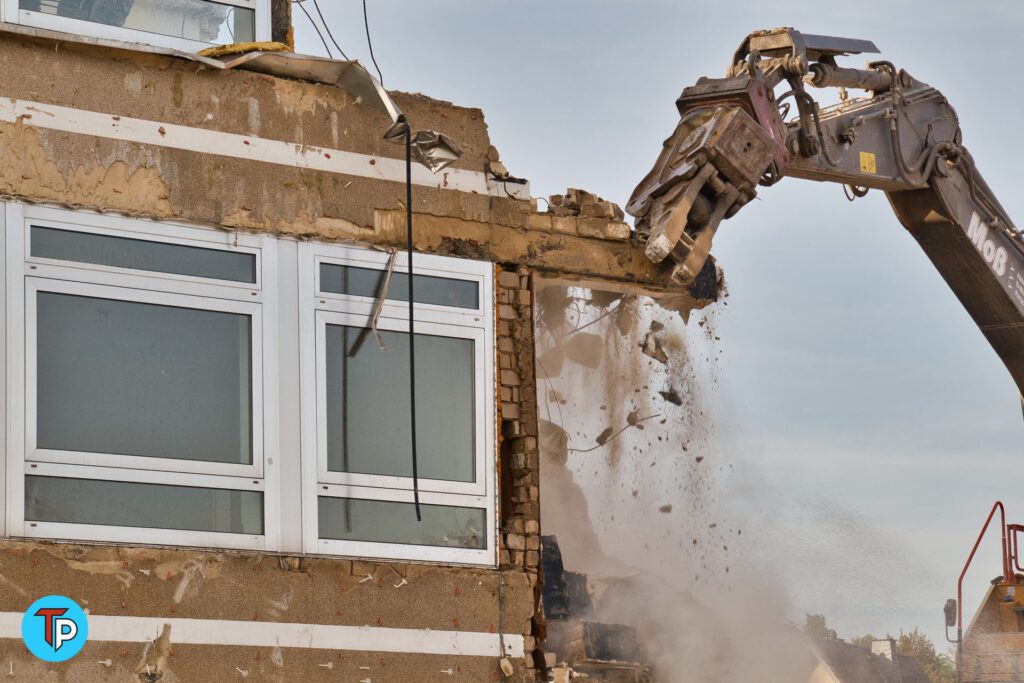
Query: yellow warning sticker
{"type": "Point", "coordinates": [867, 163]}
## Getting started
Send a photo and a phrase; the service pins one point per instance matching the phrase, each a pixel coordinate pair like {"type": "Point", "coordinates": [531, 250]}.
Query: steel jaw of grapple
{"type": "Point", "coordinates": [707, 170]}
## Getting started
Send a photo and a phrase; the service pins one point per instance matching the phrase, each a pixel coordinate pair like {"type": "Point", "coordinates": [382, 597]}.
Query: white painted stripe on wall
{"type": "Point", "coordinates": [204, 141]}
{"type": "Point", "coordinates": [305, 636]}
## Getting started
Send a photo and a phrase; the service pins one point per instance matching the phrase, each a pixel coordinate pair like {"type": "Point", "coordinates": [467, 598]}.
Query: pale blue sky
{"type": "Point", "coordinates": [873, 421]}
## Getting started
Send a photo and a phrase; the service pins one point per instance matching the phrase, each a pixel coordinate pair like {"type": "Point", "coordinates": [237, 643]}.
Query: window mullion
{"type": "Point", "coordinates": [15, 339]}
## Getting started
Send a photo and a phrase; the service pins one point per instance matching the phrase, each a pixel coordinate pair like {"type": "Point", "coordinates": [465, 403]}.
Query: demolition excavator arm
{"type": "Point", "coordinates": [903, 138]}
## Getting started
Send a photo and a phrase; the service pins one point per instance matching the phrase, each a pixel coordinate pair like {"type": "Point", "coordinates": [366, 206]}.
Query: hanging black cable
{"type": "Point", "coordinates": [316, 5]}
{"type": "Point", "coordinates": [366, 23]}
{"type": "Point", "coordinates": [412, 337]}
{"type": "Point", "coordinates": [315, 27]}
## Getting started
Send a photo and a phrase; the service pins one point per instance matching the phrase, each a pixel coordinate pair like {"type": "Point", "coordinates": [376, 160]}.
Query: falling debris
{"type": "Point", "coordinates": [585, 348]}
{"type": "Point", "coordinates": [556, 397]}
{"type": "Point", "coordinates": [549, 363]}
{"type": "Point", "coordinates": [652, 345]}
{"type": "Point", "coordinates": [672, 396]}
{"type": "Point", "coordinates": [603, 299]}
{"type": "Point", "coordinates": [608, 434]}
{"type": "Point", "coordinates": [665, 509]}
{"type": "Point", "coordinates": [624, 315]}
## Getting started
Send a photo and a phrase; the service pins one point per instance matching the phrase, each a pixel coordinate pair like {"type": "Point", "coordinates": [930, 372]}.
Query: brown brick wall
{"type": "Point", "coordinates": [519, 540]}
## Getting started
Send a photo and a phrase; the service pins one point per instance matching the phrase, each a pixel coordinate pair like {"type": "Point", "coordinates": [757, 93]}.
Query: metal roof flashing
{"type": "Point", "coordinates": [434, 150]}
{"type": "Point", "coordinates": [348, 75]}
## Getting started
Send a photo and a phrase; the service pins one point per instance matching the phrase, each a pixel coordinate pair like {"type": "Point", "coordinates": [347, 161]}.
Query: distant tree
{"type": "Point", "coordinates": [940, 668]}
{"type": "Point", "coordinates": [815, 626]}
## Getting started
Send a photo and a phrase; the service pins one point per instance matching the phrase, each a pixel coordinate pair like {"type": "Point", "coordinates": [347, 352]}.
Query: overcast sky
{"type": "Point", "coordinates": [853, 387]}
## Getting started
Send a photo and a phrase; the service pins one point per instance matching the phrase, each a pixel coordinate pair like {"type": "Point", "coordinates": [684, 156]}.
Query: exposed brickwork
{"type": "Point", "coordinates": [520, 464]}
{"type": "Point", "coordinates": [578, 212]}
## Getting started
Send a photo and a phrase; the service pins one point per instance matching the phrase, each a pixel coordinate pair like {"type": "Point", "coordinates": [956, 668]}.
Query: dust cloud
{"type": "Point", "coordinates": [633, 485]}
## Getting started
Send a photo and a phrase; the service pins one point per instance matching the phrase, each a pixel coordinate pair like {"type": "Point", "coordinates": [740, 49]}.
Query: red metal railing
{"type": "Point", "coordinates": [1011, 563]}
{"type": "Point", "coordinates": [1012, 547]}
{"type": "Point", "coordinates": [1009, 557]}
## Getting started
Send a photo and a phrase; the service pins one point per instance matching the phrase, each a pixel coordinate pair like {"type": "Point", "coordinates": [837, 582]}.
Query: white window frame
{"type": "Point", "coordinates": [477, 272]}
{"type": "Point", "coordinates": [144, 535]}
{"type": "Point", "coordinates": [403, 551]}
{"type": "Point", "coordinates": [34, 285]}
{"type": "Point", "coordinates": [316, 310]}
{"type": "Point", "coordinates": [12, 13]}
{"type": "Point", "coordinates": [27, 275]}
{"type": "Point", "coordinates": [325, 476]}
{"type": "Point", "coordinates": [289, 317]}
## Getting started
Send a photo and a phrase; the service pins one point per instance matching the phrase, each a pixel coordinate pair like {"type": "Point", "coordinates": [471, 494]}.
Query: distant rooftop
{"type": "Point", "coordinates": [851, 663]}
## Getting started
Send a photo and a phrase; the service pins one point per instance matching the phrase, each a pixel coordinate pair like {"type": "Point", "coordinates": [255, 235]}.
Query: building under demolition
{"type": "Point", "coordinates": [207, 408]}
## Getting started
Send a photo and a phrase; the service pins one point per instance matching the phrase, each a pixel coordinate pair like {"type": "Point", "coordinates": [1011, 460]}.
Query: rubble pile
{"type": "Point", "coordinates": [576, 202]}
{"type": "Point", "coordinates": [578, 212]}
{"type": "Point", "coordinates": [583, 647]}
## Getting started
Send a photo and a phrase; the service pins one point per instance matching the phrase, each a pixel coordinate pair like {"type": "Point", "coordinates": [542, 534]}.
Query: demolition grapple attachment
{"type": "Point", "coordinates": [731, 137]}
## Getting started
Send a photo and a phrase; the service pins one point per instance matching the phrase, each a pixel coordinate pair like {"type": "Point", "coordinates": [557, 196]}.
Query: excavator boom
{"type": "Point", "coordinates": [902, 137]}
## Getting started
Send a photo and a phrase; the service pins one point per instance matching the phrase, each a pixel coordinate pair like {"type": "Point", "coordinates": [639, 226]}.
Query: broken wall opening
{"type": "Point", "coordinates": [642, 573]}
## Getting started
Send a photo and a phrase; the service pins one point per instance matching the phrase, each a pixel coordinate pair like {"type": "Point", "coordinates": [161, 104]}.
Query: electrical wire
{"type": "Point", "coordinates": [313, 23]}
{"type": "Point", "coordinates": [501, 609]}
{"type": "Point", "coordinates": [613, 436]}
{"type": "Point", "coordinates": [412, 329]}
{"type": "Point", "coordinates": [369, 43]}
{"type": "Point", "coordinates": [316, 5]}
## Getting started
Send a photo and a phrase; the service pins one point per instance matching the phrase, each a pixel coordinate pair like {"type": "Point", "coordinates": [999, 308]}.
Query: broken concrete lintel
{"type": "Point", "coordinates": [615, 263]}
{"type": "Point", "coordinates": [667, 294]}
{"type": "Point", "coordinates": [594, 227]}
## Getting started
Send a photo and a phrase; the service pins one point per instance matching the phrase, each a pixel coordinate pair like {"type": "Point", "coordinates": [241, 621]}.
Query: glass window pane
{"type": "Point", "coordinates": [130, 378]}
{"type": "Point", "coordinates": [159, 257]}
{"type": "Point", "coordinates": [198, 20]}
{"type": "Point", "coordinates": [385, 521]}
{"type": "Point", "coordinates": [154, 506]}
{"type": "Point", "coordinates": [367, 405]}
{"type": "Point", "coordinates": [441, 291]}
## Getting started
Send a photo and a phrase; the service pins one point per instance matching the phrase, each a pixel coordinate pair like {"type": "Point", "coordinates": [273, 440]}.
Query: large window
{"type": "Point", "coordinates": [189, 25]}
{"type": "Point", "coordinates": [145, 372]}
{"type": "Point", "coordinates": [359, 441]}
{"type": "Point", "coordinates": [173, 385]}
